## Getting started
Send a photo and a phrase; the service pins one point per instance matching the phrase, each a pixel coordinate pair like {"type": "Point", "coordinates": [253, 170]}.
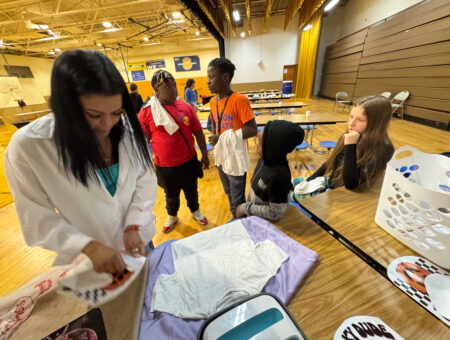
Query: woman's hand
{"type": "Point", "coordinates": [351, 137]}
{"type": "Point", "coordinates": [133, 243]}
{"type": "Point", "coordinates": [105, 259]}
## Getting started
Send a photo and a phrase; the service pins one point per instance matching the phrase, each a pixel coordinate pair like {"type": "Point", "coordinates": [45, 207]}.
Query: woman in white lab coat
{"type": "Point", "coordinates": [82, 177]}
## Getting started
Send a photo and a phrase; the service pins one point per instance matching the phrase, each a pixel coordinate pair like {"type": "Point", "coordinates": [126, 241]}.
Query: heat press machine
{"type": "Point", "coordinates": [260, 317]}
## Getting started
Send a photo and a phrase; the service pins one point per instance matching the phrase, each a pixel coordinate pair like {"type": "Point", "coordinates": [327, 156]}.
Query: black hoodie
{"type": "Point", "coordinates": [271, 181]}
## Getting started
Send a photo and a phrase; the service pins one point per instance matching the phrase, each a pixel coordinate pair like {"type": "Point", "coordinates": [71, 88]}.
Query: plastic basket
{"type": "Point", "coordinates": [414, 204]}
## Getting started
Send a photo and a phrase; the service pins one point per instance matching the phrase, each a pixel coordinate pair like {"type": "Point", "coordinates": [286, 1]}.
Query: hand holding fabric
{"type": "Point", "coordinates": [105, 259]}
{"type": "Point", "coordinates": [133, 243]}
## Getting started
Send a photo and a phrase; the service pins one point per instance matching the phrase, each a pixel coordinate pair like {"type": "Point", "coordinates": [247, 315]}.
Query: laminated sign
{"type": "Point", "coordinates": [365, 328]}
{"type": "Point", "coordinates": [187, 63]}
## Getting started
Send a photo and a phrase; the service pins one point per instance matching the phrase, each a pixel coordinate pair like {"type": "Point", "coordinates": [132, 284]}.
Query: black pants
{"type": "Point", "coordinates": [173, 179]}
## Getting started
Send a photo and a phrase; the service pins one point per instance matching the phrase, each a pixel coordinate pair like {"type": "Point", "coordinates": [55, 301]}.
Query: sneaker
{"type": "Point", "coordinates": [170, 224]}
{"type": "Point", "coordinates": [199, 217]}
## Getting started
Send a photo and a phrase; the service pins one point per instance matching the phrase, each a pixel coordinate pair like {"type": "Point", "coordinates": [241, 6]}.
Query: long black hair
{"type": "Point", "coordinates": [78, 72]}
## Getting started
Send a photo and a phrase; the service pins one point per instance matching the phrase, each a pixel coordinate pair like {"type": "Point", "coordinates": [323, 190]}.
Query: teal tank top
{"type": "Point", "coordinates": [109, 177]}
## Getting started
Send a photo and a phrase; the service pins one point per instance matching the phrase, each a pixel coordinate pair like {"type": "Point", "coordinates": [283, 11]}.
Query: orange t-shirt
{"type": "Point", "coordinates": [237, 112]}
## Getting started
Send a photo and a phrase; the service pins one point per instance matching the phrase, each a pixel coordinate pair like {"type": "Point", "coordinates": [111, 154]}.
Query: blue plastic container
{"type": "Point", "coordinates": [286, 87]}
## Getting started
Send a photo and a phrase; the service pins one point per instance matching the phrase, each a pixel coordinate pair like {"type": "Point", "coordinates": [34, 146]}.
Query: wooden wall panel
{"type": "Point", "coordinates": [341, 78]}
{"type": "Point", "coordinates": [439, 59]}
{"type": "Point", "coordinates": [346, 43]}
{"type": "Point", "coordinates": [426, 92]}
{"type": "Point", "coordinates": [401, 21]}
{"type": "Point", "coordinates": [341, 53]}
{"type": "Point", "coordinates": [430, 49]}
{"type": "Point", "coordinates": [430, 71]}
{"type": "Point", "coordinates": [424, 39]}
{"type": "Point", "coordinates": [328, 68]}
{"type": "Point", "coordinates": [329, 90]}
{"type": "Point", "coordinates": [340, 69]}
{"type": "Point", "coordinates": [413, 32]}
{"type": "Point", "coordinates": [420, 112]}
{"type": "Point", "coordinates": [407, 82]}
{"type": "Point", "coordinates": [267, 85]}
{"type": "Point", "coordinates": [431, 103]}
{"type": "Point", "coordinates": [409, 52]}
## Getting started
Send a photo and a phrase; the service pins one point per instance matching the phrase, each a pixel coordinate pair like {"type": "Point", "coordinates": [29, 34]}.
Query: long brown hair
{"type": "Point", "coordinates": [374, 148]}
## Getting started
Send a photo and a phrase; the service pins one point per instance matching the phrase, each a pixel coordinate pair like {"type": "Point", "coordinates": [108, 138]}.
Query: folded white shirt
{"type": "Point", "coordinates": [214, 269]}
{"type": "Point", "coordinates": [314, 185]}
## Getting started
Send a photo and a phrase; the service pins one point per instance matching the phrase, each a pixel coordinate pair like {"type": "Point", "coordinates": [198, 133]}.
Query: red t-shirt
{"type": "Point", "coordinates": [171, 150]}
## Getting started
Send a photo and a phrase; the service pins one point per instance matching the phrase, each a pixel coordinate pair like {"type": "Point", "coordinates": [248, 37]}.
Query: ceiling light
{"type": "Point", "coordinates": [197, 33]}
{"type": "Point", "coordinates": [236, 16]}
{"type": "Point", "coordinates": [57, 49]}
{"type": "Point", "coordinates": [1, 43]}
{"type": "Point", "coordinates": [48, 38]}
{"type": "Point", "coordinates": [307, 28]}
{"type": "Point", "coordinates": [99, 44]}
{"type": "Point", "coordinates": [152, 43]}
{"type": "Point", "coordinates": [242, 34]}
{"type": "Point", "coordinates": [107, 24]}
{"type": "Point", "coordinates": [111, 29]}
{"type": "Point", "coordinates": [176, 15]}
{"type": "Point", "coordinates": [51, 52]}
{"type": "Point", "coordinates": [43, 27]}
{"type": "Point", "coordinates": [145, 38]}
{"type": "Point", "coordinates": [52, 33]}
{"type": "Point", "coordinates": [331, 5]}
{"type": "Point", "coordinates": [178, 21]}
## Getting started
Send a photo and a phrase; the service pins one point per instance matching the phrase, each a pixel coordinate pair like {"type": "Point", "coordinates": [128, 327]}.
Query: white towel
{"type": "Point", "coordinates": [314, 185]}
{"type": "Point", "coordinates": [162, 117]}
{"type": "Point", "coordinates": [231, 153]}
{"type": "Point", "coordinates": [214, 269]}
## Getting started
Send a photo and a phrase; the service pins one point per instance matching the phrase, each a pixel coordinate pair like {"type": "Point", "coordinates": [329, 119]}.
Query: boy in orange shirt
{"type": "Point", "coordinates": [229, 110]}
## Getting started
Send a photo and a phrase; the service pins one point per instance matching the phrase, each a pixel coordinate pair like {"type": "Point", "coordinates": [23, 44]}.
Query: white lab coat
{"type": "Point", "coordinates": [57, 212]}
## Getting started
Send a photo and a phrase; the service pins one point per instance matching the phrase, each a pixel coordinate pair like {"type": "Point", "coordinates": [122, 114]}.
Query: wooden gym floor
{"type": "Point", "coordinates": [21, 263]}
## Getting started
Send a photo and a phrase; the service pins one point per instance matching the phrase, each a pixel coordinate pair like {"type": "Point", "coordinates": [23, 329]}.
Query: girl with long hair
{"type": "Point", "coordinates": [82, 177]}
{"type": "Point", "coordinates": [361, 153]}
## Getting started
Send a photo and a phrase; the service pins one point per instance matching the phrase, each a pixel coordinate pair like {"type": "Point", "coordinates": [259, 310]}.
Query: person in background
{"type": "Point", "coordinates": [229, 110]}
{"type": "Point", "coordinates": [190, 95]}
{"type": "Point", "coordinates": [361, 153]}
{"type": "Point", "coordinates": [271, 182]}
{"type": "Point", "coordinates": [171, 125]}
{"type": "Point", "coordinates": [136, 98]}
{"type": "Point", "coordinates": [63, 168]}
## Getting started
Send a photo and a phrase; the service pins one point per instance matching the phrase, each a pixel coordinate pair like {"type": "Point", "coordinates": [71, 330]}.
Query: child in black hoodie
{"type": "Point", "coordinates": [271, 181]}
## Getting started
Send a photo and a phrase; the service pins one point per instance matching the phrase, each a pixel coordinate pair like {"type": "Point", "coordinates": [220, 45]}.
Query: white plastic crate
{"type": "Point", "coordinates": [414, 204]}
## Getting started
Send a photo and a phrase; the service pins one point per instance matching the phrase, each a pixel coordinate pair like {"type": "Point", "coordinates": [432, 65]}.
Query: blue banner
{"type": "Point", "coordinates": [187, 63]}
{"type": "Point", "coordinates": [138, 75]}
{"type": "Point", "coordinates": [152, 64]}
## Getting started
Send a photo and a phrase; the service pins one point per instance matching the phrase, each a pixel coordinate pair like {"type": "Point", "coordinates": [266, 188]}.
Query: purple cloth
{"type": "Point", "coordinates": [158, 325]}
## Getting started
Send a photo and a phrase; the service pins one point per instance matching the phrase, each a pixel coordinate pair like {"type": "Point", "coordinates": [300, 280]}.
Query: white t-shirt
{"type": "Point", "coordinates": [214, 269]}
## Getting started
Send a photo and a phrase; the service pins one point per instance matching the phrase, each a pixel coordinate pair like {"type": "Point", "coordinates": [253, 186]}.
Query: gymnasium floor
{"type": "Point", "coordinates": [20, 263]}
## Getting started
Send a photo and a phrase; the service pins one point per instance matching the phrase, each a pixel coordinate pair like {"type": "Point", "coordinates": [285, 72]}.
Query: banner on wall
{"type": "Point", "coordinates": [137, 66]}
{"type": "Point", "coordinates": [138, 75]}
{"type": "Point", "coordinates": [187, 63]}
{"type": "Point", "coordinates": [157, 63]}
